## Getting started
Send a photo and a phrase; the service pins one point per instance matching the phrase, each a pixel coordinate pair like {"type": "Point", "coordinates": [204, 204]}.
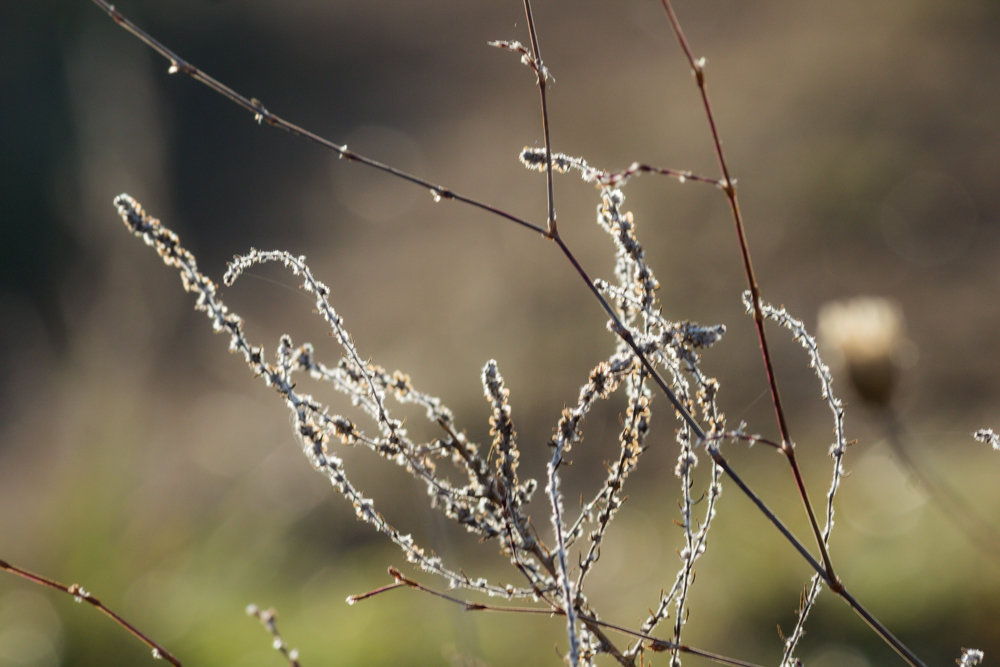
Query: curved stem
{"type": "Point", "coordinates": [262, 115]}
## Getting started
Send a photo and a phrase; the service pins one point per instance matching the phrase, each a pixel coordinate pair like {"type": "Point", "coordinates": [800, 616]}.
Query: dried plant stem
{"type": "Point", "coordinates": [81, 595]}
{"type": "Point", "coordinates": [262, 115]}
{"type": "Point", "coordinates": [552, 488]}
{"type": "Point", "coordinates": [656, 644]}
{"type": "Point", "coordinates": [540, 72]}
{"type": "Point", "coordinates": [825, 570]}
{"type": "Point", "coordinates": [681, 175]}
{"type": "Point", "coordinates": [729, 187]}
{"type": "Point", "coordinates": [860, 610]}
{"type": "Point", "coordinates": [837, 450]}
{"type": "Point", "coordinates": [269, 619]}
{"type": "Point", "coordinates": [550, 231]}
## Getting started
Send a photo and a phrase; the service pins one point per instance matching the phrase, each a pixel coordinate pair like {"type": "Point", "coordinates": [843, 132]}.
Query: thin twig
{"type": "Point", "coordinates": [269, 619]}
{"type": "Point", "coordinates": [837, 451]}
{"type": "Point", "coordinates": [729, 187]}
{"type": "Point", "coordinates": [81, 595]}
{"type": "Point", "coordinates": [858, 608]}
{"type": "Point", "coordinates": [656, 643]}
{"type": "Point", "coordinates": [262, 115]}
{"type": "Point", "coordinates": [618, 178]}
{"type": "Point", "coordinates": [535, 158]}
{"type": "Point", "coordinates": [541, 74]}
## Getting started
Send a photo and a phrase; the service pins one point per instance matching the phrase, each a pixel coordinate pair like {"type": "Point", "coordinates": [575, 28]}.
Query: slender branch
{"type": "Point", "coordinates": [839, 589]}
{"type": "Point", "coordinates": [81, 595]}
{"type": "Point", "coordinates": [535, 158]}
{"type": "Point", "coordinates": [882, 631]}
{"type": "Point", "coordinates": [720, 460]}
{"type": "Point", "coordinates": [729, 187]}
{"type": "Point", "coordinates": [552, 488]}
{"type": "Point", "coordinates": [656, 644]}
{"type": "Point", "coordinates": [269, 619]}
{"type": "Point", "coordinates": [262, 115]}
{"type": "Point", "coordinates": [541, 73]}
{"type": "Point", "coordinates": [618, 178]}
{"type": "Point", "coordinates": [354, 599]}
{"type": "Point", "coordinates": [745, 437]}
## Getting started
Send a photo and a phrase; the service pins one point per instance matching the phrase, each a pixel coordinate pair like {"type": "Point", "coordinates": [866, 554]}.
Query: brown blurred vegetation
{"type": "Point", "coordinates": [139, 459]}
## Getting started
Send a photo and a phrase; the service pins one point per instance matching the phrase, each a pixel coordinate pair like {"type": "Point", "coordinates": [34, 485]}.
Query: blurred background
{"type": "Point", "coordinates": [141, 460]}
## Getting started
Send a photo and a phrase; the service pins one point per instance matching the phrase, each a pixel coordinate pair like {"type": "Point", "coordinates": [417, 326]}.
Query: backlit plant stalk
{"type": "Point", "coordinates": [652, 355]}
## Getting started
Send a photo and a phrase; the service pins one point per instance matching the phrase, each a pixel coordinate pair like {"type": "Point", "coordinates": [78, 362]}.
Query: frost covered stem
{"type": "Point", "coordinates": [624, 334]}
{"type": "Point", "coordinates": [562, 567]}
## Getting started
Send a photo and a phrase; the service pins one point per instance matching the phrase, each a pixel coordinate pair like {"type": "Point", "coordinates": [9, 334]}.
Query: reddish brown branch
{"type": "Point", "coordinates": [729, 187]}
{"type": "Point", "coordinates": [656, 644]}
{"type": "Point", "coordinates": [81, 595]}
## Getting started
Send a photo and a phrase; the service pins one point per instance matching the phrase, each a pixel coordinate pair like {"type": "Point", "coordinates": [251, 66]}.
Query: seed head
{"type": "Point", "coordinates": [866, 333]}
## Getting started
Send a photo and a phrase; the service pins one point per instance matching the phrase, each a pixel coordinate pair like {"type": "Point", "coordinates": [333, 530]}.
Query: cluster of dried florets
{"type": "Point", "coordinates": [492, 502]}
